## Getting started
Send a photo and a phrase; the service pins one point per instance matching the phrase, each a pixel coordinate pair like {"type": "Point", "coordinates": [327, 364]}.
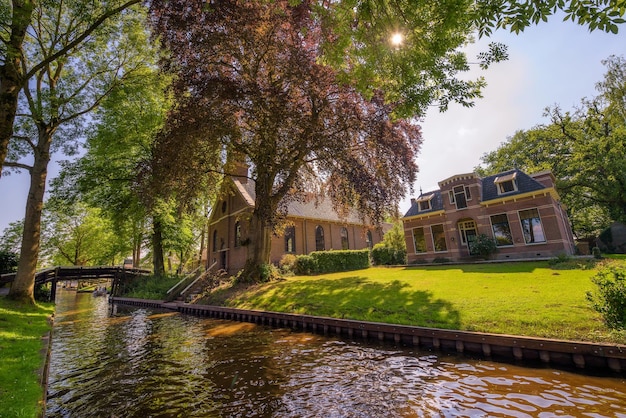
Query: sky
{"type": "Point", "coordinates": [552, 63]}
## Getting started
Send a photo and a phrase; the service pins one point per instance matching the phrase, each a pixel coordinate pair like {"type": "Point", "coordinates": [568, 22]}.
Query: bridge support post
{"type": "Point", "coordinates": [53, 290]}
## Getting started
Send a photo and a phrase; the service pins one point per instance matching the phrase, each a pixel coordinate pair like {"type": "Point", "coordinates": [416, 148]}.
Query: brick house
{"type": "Point", "coordinates": [521, 212]}
{"type": "Point", "coordinates": [312, 226]}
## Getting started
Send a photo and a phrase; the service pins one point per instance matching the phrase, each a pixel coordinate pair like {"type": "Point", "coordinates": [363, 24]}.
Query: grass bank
{"type": "Point", "coordinates": [527, 298]}
{"type": "Point", "coordinates": [21, 357]}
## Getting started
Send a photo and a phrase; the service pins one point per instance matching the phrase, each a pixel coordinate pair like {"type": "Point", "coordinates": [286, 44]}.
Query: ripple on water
{"type": "Point", "coordinates": [138, 364]}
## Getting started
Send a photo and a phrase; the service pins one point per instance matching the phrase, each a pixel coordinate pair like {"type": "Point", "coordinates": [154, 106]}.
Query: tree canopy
{"type": "Point", "coordinates": [250, 83]}
{"type": "Point", "coordinates": [584, 149]}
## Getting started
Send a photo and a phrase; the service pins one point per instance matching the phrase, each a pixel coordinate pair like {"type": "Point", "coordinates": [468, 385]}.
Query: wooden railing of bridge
{"type": "Point", "coordinates": [118, 275]}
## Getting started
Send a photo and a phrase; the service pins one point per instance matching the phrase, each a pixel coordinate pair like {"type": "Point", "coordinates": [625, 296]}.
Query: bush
{"type": "Point", "coordinates": [559, 259]}
{"type": "Point", "coordinates": [483, 246]}
{"type": "Point", "coordinates": [384, 255]}
{"type": "Point", "coordinates": [331, 261]}
{"type": "Point", "coordinates": [305, 264]}
{"type": "Point", "coordinates": [8, 262]}
{"type": "Point", "coordinates": [268, 272]}
{"type": "Point", "coordinates": [287, 263]}
{"type": "Point", "coordinates": [597, 254]}
{"type": "Point", "coordinates": [610, 296]}
{"type": "Point", "coordinates": [344, 260]}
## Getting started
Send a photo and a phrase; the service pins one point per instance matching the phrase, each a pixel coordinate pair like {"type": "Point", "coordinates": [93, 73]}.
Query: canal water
{"type": "Point", "coordinates": [116, 361]}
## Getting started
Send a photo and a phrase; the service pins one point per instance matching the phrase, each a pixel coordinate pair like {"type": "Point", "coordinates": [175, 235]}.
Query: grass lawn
{"type": "Point", "coordinates": [528, 298]}
{"type": "Point", "coordinates": [21, 357]}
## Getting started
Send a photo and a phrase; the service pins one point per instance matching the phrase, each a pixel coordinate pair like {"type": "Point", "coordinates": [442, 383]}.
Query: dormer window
{"type": "Point", "coordinates": [423, 203]}
{"type": "Point", "coordinates": [459, 195]}
{"type": "Point", "coordinates": [506, 184]}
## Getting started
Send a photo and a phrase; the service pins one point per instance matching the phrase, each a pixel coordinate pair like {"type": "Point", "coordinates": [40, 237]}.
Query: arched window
{"type": "Point", "coordinates": [237, 234]}
{"type": "Point", "coordinates": [319, 238]}
{"type": "Point", "coordinates": [215, 240]}
{"type": "Point", "coordinates": [290, 239]}
{"type": "Point", "coordinates": [370, 241]}
{"type": "Point", "coordinates": [345, 244]}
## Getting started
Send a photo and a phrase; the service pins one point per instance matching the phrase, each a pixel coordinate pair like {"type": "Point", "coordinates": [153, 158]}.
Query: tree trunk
{"type": "Point", "coordinates": [157, 249]}
{"type": "Point", "coordinates": [10, 73]}
{"type": "Point", "coordinates": [259, 249]}
{"type": "Point", "coordinates": [24, 284]}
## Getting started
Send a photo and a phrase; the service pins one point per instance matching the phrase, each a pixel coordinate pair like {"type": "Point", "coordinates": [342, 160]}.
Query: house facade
{"type": "Point", "coordinates": [521, 212]}
{"type": "Point", "coordinates": [311, 226]}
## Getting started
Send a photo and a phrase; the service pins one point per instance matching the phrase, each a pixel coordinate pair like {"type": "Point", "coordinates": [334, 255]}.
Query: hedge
{"type": "Point", "coordinates": [331, 261]}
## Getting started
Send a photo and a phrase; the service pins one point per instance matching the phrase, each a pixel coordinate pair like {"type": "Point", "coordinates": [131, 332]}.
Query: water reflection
{"type": "Point", "coordinates": [143, 363]}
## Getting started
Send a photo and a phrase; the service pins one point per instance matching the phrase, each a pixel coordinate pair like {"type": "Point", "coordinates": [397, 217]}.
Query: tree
{"type": "Point", "coordinates": [257, 91]}
{"type": "Point", "coordinates": [8, 262]}
{"type": "Point", "coordinates": [16, 19]}
{"type": "Point", "coordinates": [584, 149]}
{"type": "Point", "coordinates": [125, 127]}
{"type": "Point", "coordinates": [53, 107]}
{"type": "Point", "coordinates": [78, 235]}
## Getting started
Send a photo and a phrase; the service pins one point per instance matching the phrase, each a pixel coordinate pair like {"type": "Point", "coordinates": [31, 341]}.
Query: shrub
{"type": "Point", "coordinates": [484, 246]}
{"type": "Point", "coordinates": [305, 264]}
{"type": "Point", "coordinates": [597, 254]}
{"type": "Point", "coordinates": [331, 261]}
{"type": "Point", "coordinates": [610, 296]}
{"type": "Point", "coordinates": [8, 262]}
{"type": "Point", "coordinates": [268, 272]}
{"type": "Point", "coordinates": [559, 259]}
{"type": "Point", "coordinates": [287, 263]}
{"type": "Point", "coordinates": [384, 255]}
{"type": "Point", "coordinates": [344, 260]}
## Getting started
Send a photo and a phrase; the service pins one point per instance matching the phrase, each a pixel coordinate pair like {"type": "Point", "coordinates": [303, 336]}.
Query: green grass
{"type": "Point", "coordinates": [21, 357]}
{"type": "Point", "coordinates": [151, 287]}
{"type": "Point", "coordinates": [527, 298]}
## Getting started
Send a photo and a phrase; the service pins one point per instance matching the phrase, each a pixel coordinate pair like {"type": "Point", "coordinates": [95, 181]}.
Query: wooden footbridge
{"type": "Point", "coordinates": [118, 275]}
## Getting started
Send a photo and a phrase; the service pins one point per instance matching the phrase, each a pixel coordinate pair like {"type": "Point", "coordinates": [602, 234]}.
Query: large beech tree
{"type": "Point", "coordinates": [250, 84]}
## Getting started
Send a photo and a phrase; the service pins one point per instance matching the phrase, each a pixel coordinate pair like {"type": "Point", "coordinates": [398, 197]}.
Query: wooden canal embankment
{"type": "Point", "coordinates": [584, 356]}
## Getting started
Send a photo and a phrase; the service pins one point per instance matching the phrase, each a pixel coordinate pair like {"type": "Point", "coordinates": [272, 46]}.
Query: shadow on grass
{"type": "Point", "coordinates": [348, 297]}
{"type": "Point", "coordinates": [499, 267]}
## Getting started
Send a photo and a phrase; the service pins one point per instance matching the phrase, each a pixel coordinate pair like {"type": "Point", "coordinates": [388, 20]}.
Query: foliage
{"type": "Point", "coordinates": [609, 297]}
{"type": "Point", "coordinates": [250, 82]}
{"type": "Point", "coordinates": [383, 255]}
{"type": "Point", "coordinates": [305, 265]}
{"type": "Point", "coordinates": [78, 235]}
{"type": "Point", "coordinates": [517, 15]}
{"type": "Point", "coordinates": [70, 83]}
{"type": "Point", "coordinates": [584, 150]}
{"type": "Point", "coordinates": [150, 287]}
{"type": "Point", "coordinates": [287, 263]}
{"type": "Point", "coordinates": [559, 259]}
{"type": "Point", "coordinates": [8, 262]}
{"type": "Point", "coordinates": [343, 260]}
{"type": "Point", "coordinates": [392, 250]}
{"type": "Point", "coordinates": [11, 239]}
{"type": "Point", "coordinates": [21, 329]}
{"type": "Point", "coordinates": [484, 246]}
{"type": "Point", "coordinates": [597, 254]}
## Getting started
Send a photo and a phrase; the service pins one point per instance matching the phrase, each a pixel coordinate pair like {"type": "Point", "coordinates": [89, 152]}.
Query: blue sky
{"type": "Point", "coordinates": [553, 63]}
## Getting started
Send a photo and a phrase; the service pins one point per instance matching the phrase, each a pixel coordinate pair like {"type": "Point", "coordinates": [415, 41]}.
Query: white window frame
{"type": "Point", "coordinates": [464, 226]}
